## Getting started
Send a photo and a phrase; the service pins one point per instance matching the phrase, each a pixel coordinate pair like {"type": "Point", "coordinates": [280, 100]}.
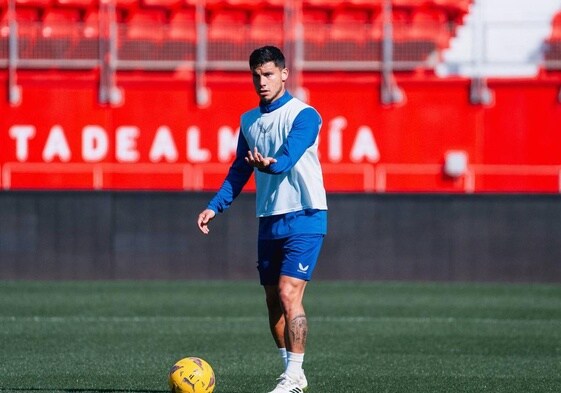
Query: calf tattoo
{"type": "Point", "coordinates": [298, 330]}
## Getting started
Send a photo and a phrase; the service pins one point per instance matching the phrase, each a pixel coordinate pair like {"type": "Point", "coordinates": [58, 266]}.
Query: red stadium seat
{"type": "Point", "coordinates": [315, 22]}
{"type": "Point", "coordinates": [347, 35]}
{"type": "Point", "coordinates": [90, 27]}
{"type": "Point", "coordinates": [59, 31]}
{"type": "Point", "coordinates": [32, 9]}
{"type": "Point", "coordinates": [430, 24]}
{"type": "Point", "coordinates": [228, 34]}
{"type": "Point", "coordinates": [182, 26]}
{"type": "Point", "coordinates": [143, 37]}
{"type": "Point", "coordinates": [401, 23]}
{"type": "Point", "coordinates": [146, 25]}
{"type": "Point", "coordinates": [87, 46]}
{"type": "Point", "coordinates": [376, 27]}
{"type": "Point", "coordinates": [454, 9]}
{"type": "Point", "coordinates": [349, 25]}
{"type": "Point", "coordinates": [181, 38]}
{"type": "Point", "coordinates": [226, 25]}
{"type": "Point", "coordinates": [418, 36]}
{"type": "Point", "coordinates": [266, 27]}
{"type": "Point", "coordinates": [315, 15]}
{"type": "Point", "coordinates": [125, 8]}
{"type": "Point", "coordinates": [60, 23]}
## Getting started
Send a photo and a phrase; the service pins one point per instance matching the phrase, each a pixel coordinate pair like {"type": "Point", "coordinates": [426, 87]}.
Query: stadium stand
{"type": "Point", "coordinates": [152, 31]}
{"type": "Point", "coordinates": [511, 40]}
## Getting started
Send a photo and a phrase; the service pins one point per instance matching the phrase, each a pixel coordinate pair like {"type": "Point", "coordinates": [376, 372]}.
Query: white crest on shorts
{"type": "Point", "coordinates": [302, 268]}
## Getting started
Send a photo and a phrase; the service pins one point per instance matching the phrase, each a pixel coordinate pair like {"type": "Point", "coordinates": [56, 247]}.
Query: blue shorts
{"type": "Point", "coordinates": [295, 256]}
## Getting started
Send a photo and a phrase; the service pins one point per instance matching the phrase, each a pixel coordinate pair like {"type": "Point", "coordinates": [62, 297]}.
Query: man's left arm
{"type": "Point", "coordinates": [304, 132]}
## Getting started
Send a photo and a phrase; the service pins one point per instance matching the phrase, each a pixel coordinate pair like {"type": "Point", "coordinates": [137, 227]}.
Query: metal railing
{"type": "Point", "coordinates": [35, 50]}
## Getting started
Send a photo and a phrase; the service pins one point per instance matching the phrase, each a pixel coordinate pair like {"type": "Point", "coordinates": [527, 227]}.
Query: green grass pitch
{"type": "Point", "coordinates": [123, 336]}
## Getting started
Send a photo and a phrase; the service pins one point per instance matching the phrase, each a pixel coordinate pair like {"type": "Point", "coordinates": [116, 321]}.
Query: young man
{"type": "Point", "coordinates": [278, 142]}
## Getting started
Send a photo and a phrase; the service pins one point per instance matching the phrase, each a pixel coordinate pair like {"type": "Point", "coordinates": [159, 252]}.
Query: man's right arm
{"type": "Point", "coordinates": [238, 175]}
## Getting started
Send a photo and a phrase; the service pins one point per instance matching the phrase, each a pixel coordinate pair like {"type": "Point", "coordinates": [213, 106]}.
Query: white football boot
{"type": "Point", "coordinates": [288, 384]}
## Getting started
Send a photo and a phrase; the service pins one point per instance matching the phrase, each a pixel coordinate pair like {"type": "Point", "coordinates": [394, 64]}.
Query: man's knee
{"type": "Point", "coordinates": [290, 292]}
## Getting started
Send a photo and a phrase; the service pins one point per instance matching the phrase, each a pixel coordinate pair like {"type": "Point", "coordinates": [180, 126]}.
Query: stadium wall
{"type": "Point", "coordinates": [153, 235]}
{"type": "Point", "coordinates": [59, 137]}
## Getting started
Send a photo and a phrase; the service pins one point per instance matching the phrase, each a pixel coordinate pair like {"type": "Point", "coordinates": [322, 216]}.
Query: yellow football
{"type": "Point", "coordinates": [191, 375]}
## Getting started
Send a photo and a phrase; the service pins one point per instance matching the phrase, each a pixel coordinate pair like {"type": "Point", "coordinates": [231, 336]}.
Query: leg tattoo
{"type": "Point", "coordinates": [298, 330]}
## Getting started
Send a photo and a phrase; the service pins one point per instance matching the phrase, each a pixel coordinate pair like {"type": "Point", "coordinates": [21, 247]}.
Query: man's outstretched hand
{"type": "Point", "coordinates": [256, 159]}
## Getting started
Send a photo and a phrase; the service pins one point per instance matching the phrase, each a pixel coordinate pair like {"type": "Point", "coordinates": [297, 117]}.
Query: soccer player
{"type": "Point", "coordinates": [278, 142]}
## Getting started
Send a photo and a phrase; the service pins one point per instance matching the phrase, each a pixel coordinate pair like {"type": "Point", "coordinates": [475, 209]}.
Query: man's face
{"type": "Point", "coordinates": [268, 80]}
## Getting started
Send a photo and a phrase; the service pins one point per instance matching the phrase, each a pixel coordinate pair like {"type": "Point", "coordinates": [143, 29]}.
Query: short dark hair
{"type": "Point", "coordinates": [266, 54]}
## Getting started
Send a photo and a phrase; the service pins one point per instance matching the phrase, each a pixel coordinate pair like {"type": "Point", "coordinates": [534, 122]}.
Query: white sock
{"type": "Point", "coordinates": [294, 366]}
{"type": "Point", "coordinates": [283, 355]}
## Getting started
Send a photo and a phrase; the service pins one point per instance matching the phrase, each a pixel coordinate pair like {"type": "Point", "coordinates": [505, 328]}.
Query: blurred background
{"type": "Point", "coordinates": [440, 145]}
